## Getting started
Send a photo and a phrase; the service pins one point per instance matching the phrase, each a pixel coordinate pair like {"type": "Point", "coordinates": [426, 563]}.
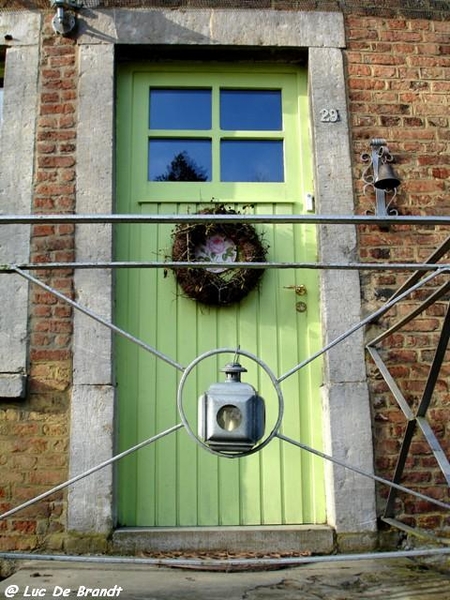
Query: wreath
{"type": "Point", "coordinates": [217, 242]}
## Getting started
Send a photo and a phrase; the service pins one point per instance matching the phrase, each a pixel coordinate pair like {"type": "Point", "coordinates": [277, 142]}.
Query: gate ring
{"type": "Point", "coordinates": [273, 379]}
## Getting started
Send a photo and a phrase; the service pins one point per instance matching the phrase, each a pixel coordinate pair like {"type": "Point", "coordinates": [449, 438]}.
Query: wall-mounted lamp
{"type": "Point", "coordinates": [380, 175]}
{"type": "Point", "coordinates": [64, 20]}
{"type": "Point", "coordinates": [231, 414]}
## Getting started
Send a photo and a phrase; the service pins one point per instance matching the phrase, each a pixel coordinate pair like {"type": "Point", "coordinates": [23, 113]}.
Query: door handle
{"type": "Point", "coordinates": [300, 290]}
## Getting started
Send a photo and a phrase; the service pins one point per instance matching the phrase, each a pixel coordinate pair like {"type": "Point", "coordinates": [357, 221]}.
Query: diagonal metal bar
{"type": "Point", "coordinates": [391, 383]}
{"type": "Point", "coordinates": [421, 533]}
{"type": "Point", "coordinates": [387, 306]}
{"type": "Point", "coordinates": [435, 446]}
{"type": "Point", "coordinates": [436, 365]}
{"type": "Point", "coordinates": [389, 510]}
{"type": "Point", "coordinates": [361, 472]}
{"type": "Point", "coordinates": [101, 465]}
{"type": "Point", "coordinates": [99, 319]}
{"type": "Point", "coordinates": [428, 302]}
{"type": "Point", "coordinates": [433, 258]}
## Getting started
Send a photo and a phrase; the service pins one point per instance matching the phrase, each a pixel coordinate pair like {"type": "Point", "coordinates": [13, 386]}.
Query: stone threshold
{"type": "Point", "coordinates": [317, 539]}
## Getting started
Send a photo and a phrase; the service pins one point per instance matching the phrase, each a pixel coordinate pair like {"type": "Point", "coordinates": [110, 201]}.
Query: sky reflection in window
{"type": "Point", "coordinates": [252, 160]}
{"type": "Point", "coordinates": [250, 110]}
{"type": "Point", "coordinates": [180, 108]}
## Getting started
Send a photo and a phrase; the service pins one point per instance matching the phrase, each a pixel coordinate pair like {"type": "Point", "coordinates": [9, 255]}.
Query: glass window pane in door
{"type": "Point", "coordinates": [252, 160]}
{"type": "Point", "coordinates": [179, 160]}
{"type": "Point", "coordinates": [180, 108]}
{"type": "Point", "coordinates": [250, 110]}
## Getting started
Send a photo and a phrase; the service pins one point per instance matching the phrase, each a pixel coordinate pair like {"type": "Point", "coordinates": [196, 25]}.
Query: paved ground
{"type": "Point", "coordinates": [399, 579]}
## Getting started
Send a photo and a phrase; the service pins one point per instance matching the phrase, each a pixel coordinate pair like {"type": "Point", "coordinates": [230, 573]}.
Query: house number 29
{"type": "Point", "coordinates": [329, 115]}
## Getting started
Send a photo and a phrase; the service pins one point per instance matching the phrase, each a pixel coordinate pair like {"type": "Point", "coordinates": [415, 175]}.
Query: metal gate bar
{"type": "Point", "coordinates": [391, 383]}
{"type": "Point", "coordinates": [193, 562]}
{"type": "Point", "coordinates": [99, 319]}
{"type": "Point", "coordinates": [90, 471]}
{"type": "Point", "coordinates": [383, 309]}
{"type": "Point", "coordinates": [421, 267]}
{"type": "Point", "coordinates": [341, 463]}
{"type": "Point", "coordinates": [415, 313]}
{"type": "Point", "coordinates": [435, 447]}
{"type": "Point", "coordinates": [313, 219]}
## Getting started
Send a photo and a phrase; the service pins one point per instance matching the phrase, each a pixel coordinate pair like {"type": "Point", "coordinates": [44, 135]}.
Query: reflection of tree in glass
{"type": "Point", "coordinates": [183, 168]}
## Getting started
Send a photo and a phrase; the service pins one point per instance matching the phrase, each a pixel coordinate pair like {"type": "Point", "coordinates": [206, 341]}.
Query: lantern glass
{"type": "Point", "coordinates": [229, 417]}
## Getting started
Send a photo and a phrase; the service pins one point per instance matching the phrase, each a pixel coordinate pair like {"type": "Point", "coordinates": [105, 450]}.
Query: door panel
{"type": "Point", "coordinates": [174, 482]}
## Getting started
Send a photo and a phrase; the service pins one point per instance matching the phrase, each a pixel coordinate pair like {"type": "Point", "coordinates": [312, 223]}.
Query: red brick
{"type": "Point", "coordinates": [24, 526]}
{"type": "Point", "coordinates": [400, 36]}
{"type": "Point", "coordinates": [8, 543]}
{"type": "Point", "coordinates": [46, 148]}
{"type": "Point", "coordinates": [58, 136]}
{"type": "Point", "coordinates": [41, 176]}
{"type": "Point", "coordinates": [43, 230]}
{"type": "Point", "coordinates": [62, 61]}
{"type": "Point", "coordinates": [63, 311]}
{"type": "Point", "coordinates": [65, 256]}
{"type": "Point", "coordinates": [67, 121]}
{"type": "Point", "coordinates": [56, 162]}
{"type": "Point", "coordinates": [50, 354]}
{"type": "Point", "coordinates": [41, 297]}
{"type": "Point", "coordinates": [46, 477]}
{"type": "Point", "coordinates": [58, 50]}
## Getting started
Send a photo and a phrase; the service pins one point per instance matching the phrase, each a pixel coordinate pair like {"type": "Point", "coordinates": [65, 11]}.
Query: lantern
{"type": "Point", "coordinates": [231, 414]}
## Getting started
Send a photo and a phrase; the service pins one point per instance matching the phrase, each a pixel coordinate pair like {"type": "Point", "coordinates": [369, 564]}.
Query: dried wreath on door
{"type": "Point", "coordinates": [221, 243]}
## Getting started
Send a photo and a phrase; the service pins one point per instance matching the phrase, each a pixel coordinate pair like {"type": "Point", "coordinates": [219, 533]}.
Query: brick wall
{"type": "Point", "coordinates": [398, 88]}
{"type": "Point", "coordinates": [35, 432]}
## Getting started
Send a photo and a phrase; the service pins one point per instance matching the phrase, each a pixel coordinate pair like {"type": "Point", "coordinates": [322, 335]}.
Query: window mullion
{"type": "Point", "coordinates": [215, 134]}
{"type": "Point", "coordinates": [179, 133]}
{"type": "Point", "coordinates": [252, 135]}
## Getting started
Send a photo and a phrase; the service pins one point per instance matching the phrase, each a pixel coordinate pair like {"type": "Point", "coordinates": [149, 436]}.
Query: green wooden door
{"type": "Point", "coordinates": [174, 482]}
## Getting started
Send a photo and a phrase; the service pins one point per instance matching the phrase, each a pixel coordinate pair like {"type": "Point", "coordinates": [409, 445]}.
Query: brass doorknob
{"type": "Point", "coordinates": [300, 290]}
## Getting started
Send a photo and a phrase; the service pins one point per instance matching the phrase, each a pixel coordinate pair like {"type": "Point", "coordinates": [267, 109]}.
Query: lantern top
{"type": "Point", "coordinates": [233, 371]}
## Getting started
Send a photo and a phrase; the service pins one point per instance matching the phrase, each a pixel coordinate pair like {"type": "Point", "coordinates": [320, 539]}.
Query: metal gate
{"type": "Point", "coordinates": [424, 273]}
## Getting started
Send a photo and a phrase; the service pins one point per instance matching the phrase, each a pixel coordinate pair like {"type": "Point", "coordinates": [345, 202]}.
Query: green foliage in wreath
{"type": "Point", "coordinates": [223, 242]}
